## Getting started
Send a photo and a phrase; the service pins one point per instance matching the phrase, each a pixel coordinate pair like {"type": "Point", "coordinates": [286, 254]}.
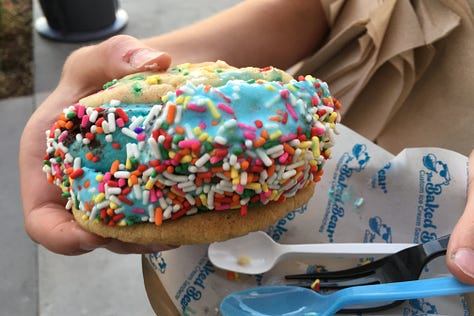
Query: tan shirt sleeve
{"type": "Point", "coordinates": [403, 70]}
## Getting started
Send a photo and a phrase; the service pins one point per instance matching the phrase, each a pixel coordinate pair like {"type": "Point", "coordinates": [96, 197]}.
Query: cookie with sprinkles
{"type": "Point", "coordinates": [200, 153]}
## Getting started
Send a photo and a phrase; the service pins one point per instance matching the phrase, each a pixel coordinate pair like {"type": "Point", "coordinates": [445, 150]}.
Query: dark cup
{"type": "Point", "coordinates": [80, 20]}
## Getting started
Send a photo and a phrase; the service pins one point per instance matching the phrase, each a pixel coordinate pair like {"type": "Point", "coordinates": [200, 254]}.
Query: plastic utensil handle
{"type": "Point", "coordinates": [403, 290]}
{"type": "Point", "coordinates": [357, 250]}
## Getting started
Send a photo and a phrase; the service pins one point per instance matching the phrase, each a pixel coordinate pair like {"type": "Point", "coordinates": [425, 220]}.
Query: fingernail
{"type": "Point", "coordinates": [143, 57]}
{"type": "Point", "coordinates": [87, 247]}
{"type": "Point", "coordinates": [463, 258]}
{"type": "Point", "coordinates": [159, 248]}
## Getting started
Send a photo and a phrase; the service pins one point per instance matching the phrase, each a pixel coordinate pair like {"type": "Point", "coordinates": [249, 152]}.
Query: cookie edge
{"type": "Point", "coordinates": [200, 228]}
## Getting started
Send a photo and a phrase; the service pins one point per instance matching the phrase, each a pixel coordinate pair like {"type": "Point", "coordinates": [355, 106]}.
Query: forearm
{"type": "Point", "coordinates": [253, 33]}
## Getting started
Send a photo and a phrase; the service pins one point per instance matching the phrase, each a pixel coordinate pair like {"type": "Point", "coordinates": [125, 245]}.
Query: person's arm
{"type": "Point", "coordinates": [254, 33]}
{"type": "Point", "coordinates": [460, 255]}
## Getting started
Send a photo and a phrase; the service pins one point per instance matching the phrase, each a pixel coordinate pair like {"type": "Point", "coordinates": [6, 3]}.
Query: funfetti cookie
{"type": "Point", "coordinates": [197, 154]}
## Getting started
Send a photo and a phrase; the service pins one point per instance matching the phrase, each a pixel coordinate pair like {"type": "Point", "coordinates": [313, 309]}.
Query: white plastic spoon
{"type": "Point", "coordinates": [257, 253]}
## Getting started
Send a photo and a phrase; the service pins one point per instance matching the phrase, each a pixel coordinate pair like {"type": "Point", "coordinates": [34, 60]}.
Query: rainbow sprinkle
{"type": "Point", "coordinates": [201, 149]}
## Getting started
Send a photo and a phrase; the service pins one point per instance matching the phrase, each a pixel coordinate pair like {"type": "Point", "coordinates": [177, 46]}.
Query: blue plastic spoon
{"type": "Point", "coordinates": [292, 300]}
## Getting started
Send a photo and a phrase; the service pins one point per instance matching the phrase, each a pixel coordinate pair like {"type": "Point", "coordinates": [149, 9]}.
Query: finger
{"type": "Point", "coordinates": [55, 228]}
{"type": "Point", "coordinates": [460, 253]}
{"type": "Point", "coordinates": [92, 66]}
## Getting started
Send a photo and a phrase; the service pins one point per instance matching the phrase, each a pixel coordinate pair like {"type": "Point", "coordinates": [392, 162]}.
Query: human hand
{"type": "Point", "coordinates": [460, 254]}
{"type": "Point", "coordinates": [85, 71]}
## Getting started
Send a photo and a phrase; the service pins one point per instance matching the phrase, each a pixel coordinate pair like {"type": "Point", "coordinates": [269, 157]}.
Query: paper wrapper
{"type": "Point", "coordinates": [407, 64]}
{"type": "Point", "coordinates": [366, 195]}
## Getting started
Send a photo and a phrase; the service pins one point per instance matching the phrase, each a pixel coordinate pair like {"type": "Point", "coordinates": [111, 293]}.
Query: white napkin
{"type": "Point", "coordinates": [366, 195]}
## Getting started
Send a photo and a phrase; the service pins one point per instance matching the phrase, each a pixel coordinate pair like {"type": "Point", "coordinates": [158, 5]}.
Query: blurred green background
{"type": "Point", "coordinates": [16, 51]}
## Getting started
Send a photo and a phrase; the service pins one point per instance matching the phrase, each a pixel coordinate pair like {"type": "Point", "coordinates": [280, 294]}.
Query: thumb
{"type": "Point", "coordinates": [123, 54]}
{"type": "Point", "coordinates": [88, 68]}
{"type": "Point", "coordinates": [460, 254]}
